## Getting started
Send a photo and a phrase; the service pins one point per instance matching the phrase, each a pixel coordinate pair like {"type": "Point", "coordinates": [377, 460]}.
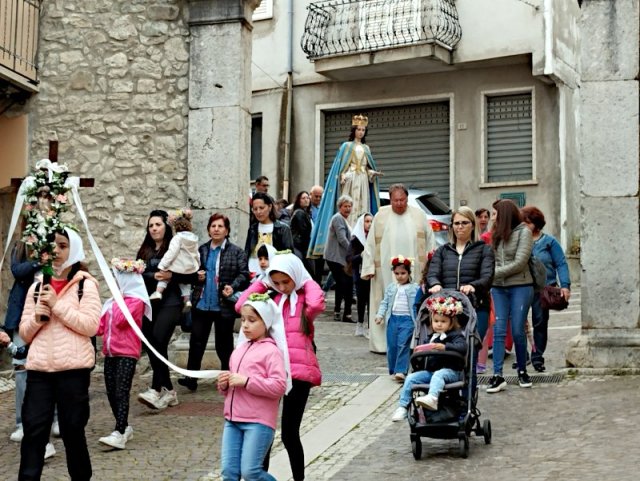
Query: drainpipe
{"type": "Point", "coordinates": [289, 113]}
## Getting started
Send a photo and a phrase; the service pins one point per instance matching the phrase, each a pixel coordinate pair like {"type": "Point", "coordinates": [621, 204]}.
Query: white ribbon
{"type": "Point", "coordinates": [51, 167]}
{"type": "Point", "coordinates": [73, 182]}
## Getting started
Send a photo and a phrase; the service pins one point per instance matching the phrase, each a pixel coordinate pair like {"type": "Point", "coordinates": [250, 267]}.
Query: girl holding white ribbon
{"type": "Point", "coordinates": [259, 376]}
{"type": "Point", "coordinates": [301, 300]}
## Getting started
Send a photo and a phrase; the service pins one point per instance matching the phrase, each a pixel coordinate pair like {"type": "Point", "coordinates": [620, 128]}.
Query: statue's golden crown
{"type": "Point", "coordinates": [359, 121]}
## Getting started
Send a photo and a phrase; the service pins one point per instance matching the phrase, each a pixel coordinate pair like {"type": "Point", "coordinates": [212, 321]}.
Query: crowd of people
{"type": "Point", "coordinates": [384, 258]}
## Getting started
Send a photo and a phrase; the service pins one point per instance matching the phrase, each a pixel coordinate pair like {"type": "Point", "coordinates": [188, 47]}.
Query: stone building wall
{"type": "Point", "coordinates": [114, 87]}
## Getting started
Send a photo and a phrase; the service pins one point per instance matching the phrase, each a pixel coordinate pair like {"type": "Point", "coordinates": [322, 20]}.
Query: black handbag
{"type": "Point", "coordinates": [551, 298]}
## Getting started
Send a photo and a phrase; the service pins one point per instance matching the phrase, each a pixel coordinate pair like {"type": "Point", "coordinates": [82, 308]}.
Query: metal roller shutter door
{"type": "Point", "coordinates": [410, 144]}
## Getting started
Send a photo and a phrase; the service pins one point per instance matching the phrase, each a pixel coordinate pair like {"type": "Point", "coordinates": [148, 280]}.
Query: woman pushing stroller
{"type": "Point", "coordinates": [440, 370]}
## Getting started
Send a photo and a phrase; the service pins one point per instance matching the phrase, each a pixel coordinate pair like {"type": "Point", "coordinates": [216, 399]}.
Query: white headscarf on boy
{"type": "Point", "coordinates": [271, 253]}
{"type": "Point", "coordinates": [131, 284]}
{"type": "Point", "coordinates": [292, 266]}
{"type": "Point", "coordinates": [76, 250]}
{"type": "Point", "coordinates": [271, 315]}
{"type": "Point", "coordinates": [358, 231]}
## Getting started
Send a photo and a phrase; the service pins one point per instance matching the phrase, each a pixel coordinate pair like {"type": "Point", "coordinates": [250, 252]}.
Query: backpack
{"type": "Point", "coordinates": [538, 273]}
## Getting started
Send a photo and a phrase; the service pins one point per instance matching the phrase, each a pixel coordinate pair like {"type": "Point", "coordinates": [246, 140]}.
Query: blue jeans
{"type": "Point", "coordinates": [540, 321]}
{"type": "Point", "coordinates": [399, 332]}
{"type": "Point", "coordinates": [510, 303]}
{"type": "Point", "coordinates": [436, 381]}
{"type": "Point", "coordinates": [244, 446]}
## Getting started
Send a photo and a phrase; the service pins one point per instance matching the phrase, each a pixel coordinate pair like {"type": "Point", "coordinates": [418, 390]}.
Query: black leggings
{"type": "Point", "coordinates": [293, 406]}
{"type": "Point", "coordinates": [118, 374]}
{"type": "Point", "coordinates": [363, 288]}
{"type": "Point", "coordinates": [344, 287]}
{"type": "Point", "coordinates": [69, 391]}
{"type": "Point", "coordinates": [159, 334]}
{"type": "Point", "coordinates": [200, 330]}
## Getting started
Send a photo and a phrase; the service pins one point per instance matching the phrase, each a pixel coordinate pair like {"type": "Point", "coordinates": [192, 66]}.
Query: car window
{"type": "Point", "coordinates": [434, 204]}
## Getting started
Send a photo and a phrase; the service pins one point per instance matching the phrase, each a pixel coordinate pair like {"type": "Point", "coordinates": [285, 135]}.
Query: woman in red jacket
{"type": "Point", "coordinates": [301, 300]}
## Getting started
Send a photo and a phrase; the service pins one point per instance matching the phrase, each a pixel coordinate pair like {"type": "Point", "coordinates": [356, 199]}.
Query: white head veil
{"type": "Point", "coordinates": [271, 253]}
{"type": "Point", "coordinates": [76, 250]}
{"type": "Point", "coordinates": [292, 266]}
{"type": "Point", "coordinates": [358, 231]}
{"type": "Point", "coordinates": [272, 317]}
{"type": "Point", "coordinates": [131, 285]}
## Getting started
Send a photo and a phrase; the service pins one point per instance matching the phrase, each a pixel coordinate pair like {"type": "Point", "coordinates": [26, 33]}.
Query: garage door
{"type": "Point", "coordinates": [410, 143]}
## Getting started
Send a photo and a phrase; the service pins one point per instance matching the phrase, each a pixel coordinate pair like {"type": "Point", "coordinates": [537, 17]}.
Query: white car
{"type": "Point", "coordinates": [438, 213]}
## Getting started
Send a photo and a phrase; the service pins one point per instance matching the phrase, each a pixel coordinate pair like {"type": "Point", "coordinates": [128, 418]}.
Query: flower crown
{"type": "Point", "coordinates": [258, 297]}
{"type": "Point", "coordinates": [128, 265]}
{"type": "Point", "coordinates": [401, 261]}
{"type": "Point", "coordinates": [176, 214]}
{"type": "Point", "coordinates": [445, 306]}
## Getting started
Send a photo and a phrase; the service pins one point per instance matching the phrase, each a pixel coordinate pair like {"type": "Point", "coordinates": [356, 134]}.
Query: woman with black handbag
{"type": "Point", "coordinates": [549, 251]}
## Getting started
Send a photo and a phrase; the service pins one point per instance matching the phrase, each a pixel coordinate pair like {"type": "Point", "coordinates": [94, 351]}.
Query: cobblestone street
{"type": "Point", "coordinates": [581, 428]}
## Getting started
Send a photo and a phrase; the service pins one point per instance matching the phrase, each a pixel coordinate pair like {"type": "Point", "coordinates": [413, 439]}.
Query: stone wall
{"type": "Point", "coordinates": [114, 86]}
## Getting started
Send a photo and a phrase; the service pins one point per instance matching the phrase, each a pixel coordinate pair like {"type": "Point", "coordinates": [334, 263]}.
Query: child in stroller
{"type": "Point", "coordinates": [445, 405]}
{"type": "Point", "coordinates": [446, 336]}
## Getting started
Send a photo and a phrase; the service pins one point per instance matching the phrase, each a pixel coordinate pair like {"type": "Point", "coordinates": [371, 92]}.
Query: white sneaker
{"type": "Point", "coordinates": [152, 398]}
{"type": "Point", "coordinates": [430, 402]}
{"type": "Point", "coordinates": [17, 435]}
{"type": "Point", "coordinates": [170, 398]}
{"type": "Point", "coordinates": [399, 414]}
{"type": "Point", "coordinates": [156, 296]}
{"type": "Point", "coordinates": [399, 377]}
{"type": "Point", "coordinates": [115, 440]}
{"type": "Point", "coordinates": [128, 433]}
{"type": "Point", "coordinates": [55, 429]}
{"type": "Point", "coordinates": [360, 329]}
{"type": "Point", "coordinates": [49, 451]}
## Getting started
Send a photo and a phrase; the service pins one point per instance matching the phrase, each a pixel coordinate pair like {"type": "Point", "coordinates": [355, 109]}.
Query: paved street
{"type": "Point", "coordinates": [581, 428]}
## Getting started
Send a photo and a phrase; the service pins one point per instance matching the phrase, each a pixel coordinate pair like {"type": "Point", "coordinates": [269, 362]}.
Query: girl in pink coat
{"type": "Point", "coordinates": [257, 379]}
{"type": "Point", "coordinates": [121, 346]}
{"type": "Point", "coordinates": [301, 300]}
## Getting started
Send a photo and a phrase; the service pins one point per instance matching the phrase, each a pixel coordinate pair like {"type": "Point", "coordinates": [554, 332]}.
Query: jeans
{"type": "Point", "coordinates": [69, 391]}
{"type": "Point", "coordinates": [510, 303]}
{"type": "Point", "coordinates": [436, 381]}
{"type": "Point", "coordinates": [244, 446]}
{"type": "Point", "coordinates": [399, 333]}
{"type": "Point", "coordinates": [540, 320]}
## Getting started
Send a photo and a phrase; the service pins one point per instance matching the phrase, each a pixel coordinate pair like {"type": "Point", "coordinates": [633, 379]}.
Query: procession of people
{"type": "Point", "coordinates": [382, 258]}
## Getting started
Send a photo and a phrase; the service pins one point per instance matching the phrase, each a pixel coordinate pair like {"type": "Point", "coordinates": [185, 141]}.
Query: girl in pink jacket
{"type": "Point", "coordinates": [121, 346]}
{"type": "Point", "coordinates": [258, 377]}
{"type": "Point", "coordinates": [301, 300]}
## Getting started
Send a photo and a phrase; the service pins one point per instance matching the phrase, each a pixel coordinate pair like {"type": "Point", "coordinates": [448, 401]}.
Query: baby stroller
{"type": "Point", "coordinates": [457, 415]}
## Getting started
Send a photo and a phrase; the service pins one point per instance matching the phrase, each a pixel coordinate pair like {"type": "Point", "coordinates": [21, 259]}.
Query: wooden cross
{"type": "Point", "coordinates": [53, 157]}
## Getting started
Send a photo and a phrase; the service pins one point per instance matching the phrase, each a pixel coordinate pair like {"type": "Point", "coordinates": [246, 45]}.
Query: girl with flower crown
{"type": "Point", "coordinates": [258, 376]}
{"type": "Point", "coordinates": [120, 344]}
{"type": "Point", "coordinates": [441, 370]}
{"type": "Point", "coordinates": [397, 310]}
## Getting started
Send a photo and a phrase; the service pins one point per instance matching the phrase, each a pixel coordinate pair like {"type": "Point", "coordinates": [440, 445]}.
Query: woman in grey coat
{"type": "Point", "coordinates": [335, 253]}
{"type": "Point", "coordinates": [512, 290]}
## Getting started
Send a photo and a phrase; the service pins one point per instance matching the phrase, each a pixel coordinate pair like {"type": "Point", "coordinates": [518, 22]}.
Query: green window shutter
{"type": "Point", "coordinates": [509, 138]}
{"type": "Point", "coordinates": [410, 144]}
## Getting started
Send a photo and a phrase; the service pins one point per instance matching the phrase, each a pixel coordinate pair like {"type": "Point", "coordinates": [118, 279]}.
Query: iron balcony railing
{"type": "Point", "coordinates": [19, 37]}
{"type": "Point", "coordinates": [338, 27]}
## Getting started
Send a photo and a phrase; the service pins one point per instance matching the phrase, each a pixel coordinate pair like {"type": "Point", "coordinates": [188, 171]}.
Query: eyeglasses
{"type": "Point", "coordinates": [462, 222]}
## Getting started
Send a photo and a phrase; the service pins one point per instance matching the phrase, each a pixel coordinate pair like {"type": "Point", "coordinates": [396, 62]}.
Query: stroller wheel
{"type": "Point", "coordinates": [463, 446]}
{"type": "Point", "coordinates": [486, 431]}
{"type": "Point", "coordinates": [416, 447]}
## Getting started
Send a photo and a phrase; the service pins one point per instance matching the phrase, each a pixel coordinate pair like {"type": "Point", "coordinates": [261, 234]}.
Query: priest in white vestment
{"type": "Point", "coordinates": [398, 229]}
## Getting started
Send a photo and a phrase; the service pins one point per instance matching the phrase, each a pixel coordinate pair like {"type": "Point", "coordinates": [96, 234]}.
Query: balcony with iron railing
{"type": "Point", "coordinates": [341, 36]}
{"type": "Point", "coordinates": [19, 42]}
